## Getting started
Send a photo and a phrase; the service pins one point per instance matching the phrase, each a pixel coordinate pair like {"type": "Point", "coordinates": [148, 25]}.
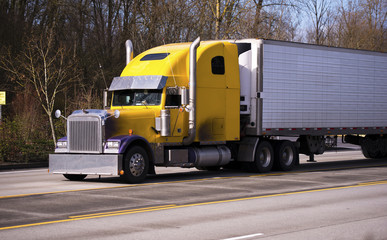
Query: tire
{"type": "Point", "coordinates": [136, 165]}
{"type": "Point", "coordinates": [75, 177]}
{"type": "Point", "coordinates": [382, 143]}
{"type": "Point", "coordinates": [286, 156]}
{"type": "Point", "coordinates": [370, 148]}
{"type": "Point", "coordinates": [264, 158]}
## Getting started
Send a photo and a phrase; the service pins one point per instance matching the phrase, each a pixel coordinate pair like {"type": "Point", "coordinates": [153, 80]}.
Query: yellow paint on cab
{"type": "Point", "coordinates": [218, 95]}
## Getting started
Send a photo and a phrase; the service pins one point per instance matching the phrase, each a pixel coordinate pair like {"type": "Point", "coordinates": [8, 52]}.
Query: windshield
{"type": "Point", "coordinates": [137, 97]}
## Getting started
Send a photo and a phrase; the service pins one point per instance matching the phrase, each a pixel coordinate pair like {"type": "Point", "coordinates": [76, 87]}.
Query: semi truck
{"type": "Point", "coordinates": [254, 103]}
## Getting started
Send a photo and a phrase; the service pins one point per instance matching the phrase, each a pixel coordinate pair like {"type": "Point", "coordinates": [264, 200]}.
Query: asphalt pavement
{"type": "Point", "coordinates": [341, 196]}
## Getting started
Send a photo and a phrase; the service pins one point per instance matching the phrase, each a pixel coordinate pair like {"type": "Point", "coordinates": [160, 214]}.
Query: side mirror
{"type": "Point", "coordinates": [116, 113]}
{"type": "Point", "coordinates": [105, 98]}
{"type": "Point", "coordinates": [58, 113]}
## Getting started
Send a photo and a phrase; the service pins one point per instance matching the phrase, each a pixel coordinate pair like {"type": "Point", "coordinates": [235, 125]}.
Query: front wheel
{"type": "Point", "coordinates": [75, 177]}
{"type": "Point", "coordinates": [136, 165]}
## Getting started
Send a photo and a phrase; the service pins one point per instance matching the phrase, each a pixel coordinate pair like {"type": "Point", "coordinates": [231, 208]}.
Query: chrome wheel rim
{"type": "Point", "coordinates": [265, 157]}
{"type": "Point", "coordinates": [137, 164]}
{"type": "Point", "coordinates": [287, 156]}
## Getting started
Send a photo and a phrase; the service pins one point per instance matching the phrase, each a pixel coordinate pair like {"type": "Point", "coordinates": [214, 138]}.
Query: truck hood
{"type": "Point", "coordinates": [140, 121]}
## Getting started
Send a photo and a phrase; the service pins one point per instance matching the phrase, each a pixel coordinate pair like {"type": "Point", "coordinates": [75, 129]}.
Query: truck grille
{"type": "Point", "coordinates": [85, 134]}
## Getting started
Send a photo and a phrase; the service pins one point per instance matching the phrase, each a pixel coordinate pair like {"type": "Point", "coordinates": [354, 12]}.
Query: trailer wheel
{"type": "Point", "coordinates": [382, 142]}
{"type": "Point", "coordinates": [136, 165]}
{"type": "Point", "coordinates": [285, 156]}
{"type": "Point", "coordinates": [370, 148]}
{"type": "Point", "coordinates": [264, 158]}
{"type": "Point", "coordinates": [75, 177]}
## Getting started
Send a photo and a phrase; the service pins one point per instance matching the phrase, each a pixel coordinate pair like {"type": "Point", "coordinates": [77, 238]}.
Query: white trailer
{"type": "Point", "coordinates": [310, 91]}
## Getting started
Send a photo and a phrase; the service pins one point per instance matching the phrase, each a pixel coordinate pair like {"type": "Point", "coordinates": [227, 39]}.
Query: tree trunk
{"type": "Point", "coordinates": [217, 20]}
{"type": "Point", "coordinates": [52, 128]}
{"type": "Point", "coordinates": [257, 18]}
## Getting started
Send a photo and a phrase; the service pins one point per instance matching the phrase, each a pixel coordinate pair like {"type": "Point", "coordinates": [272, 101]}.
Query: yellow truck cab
{"type": "Point", "coordinates": [153, 82]}
{"type": "Point", "coordinates": [154, 101]}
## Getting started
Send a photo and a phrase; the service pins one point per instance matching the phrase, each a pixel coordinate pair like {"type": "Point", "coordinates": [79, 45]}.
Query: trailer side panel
{"type": "Point", "coordinates": [313, 87]}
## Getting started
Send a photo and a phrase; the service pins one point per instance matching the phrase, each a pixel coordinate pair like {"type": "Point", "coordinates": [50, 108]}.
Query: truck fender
{"type": "Point", "coordinates": [130, 140]}
{"type": "Point", "coordinates": [247, 148]}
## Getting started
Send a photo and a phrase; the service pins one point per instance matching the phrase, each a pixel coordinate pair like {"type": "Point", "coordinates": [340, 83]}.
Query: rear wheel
{"type": "Point", "coordinates": [264, 158]}
{"type": "Point", "coordinates": [285, 156]}
{"type": "Point", "coordinates": [75, 177]}
{"type": "Point", "coordinates": [370, 147]}
{"type": "Point", "coordinates": [136, 165]}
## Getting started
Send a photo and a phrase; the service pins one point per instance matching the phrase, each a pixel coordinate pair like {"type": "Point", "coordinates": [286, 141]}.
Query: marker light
{"type": "Point", "coordinates": [130, 132]}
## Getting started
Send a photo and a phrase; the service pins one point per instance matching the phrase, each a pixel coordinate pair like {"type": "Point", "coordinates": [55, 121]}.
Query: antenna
{"type": "Point", "coordinates": [103, 75]}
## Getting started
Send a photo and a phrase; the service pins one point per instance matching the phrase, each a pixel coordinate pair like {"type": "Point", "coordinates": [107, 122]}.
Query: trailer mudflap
{"type": "Point", "coordinates": [247, 148]}
{"type": "Point", "coordinates": [90, 164]}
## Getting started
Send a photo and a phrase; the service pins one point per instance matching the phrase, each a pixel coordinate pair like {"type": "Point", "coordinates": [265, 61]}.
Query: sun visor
{"type": "Point", "coordinates": [138, 82]}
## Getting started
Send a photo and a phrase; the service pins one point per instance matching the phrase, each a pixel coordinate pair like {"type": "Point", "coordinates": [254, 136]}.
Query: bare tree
{"type": "Point", "coordinates": [257, 17]}
{"type": "Point", "coordinates": [274, 19]}
{"type": "Point", "coordinates": [318, 12]}
{"type": "Point", "coordinates": [375, 18]}
{"type": "Point", "coordinates": [362, 25]}
{"type": "Point", "coordinates": [44, 66]}
{"type": "Point", "coordinates": [224, 14]}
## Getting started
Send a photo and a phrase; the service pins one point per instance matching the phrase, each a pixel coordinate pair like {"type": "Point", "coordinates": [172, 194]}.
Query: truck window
{"type": "Point", "coordinates": [137, 97]}
{"type": "Point", "coordinates": [217, 65]}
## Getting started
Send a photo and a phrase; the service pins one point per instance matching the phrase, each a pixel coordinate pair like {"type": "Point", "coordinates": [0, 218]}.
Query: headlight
{"type": "Point", "coordinates": [61, 144]}
{"type": "Point", "coordinates": [113, 144]}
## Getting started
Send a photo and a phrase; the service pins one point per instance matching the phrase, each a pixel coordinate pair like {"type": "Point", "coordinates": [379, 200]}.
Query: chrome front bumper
{"type": "Point", "coordinates": [90, 164]}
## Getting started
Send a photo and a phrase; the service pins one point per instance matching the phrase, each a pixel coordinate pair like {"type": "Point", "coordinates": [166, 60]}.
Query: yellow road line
{"type": "Point", "coordinates": [184, 181]}
{"type": "Point", "coordinates": [65, 191]}
{"type": "Point", "coordinates": [102, 188]}
{"type": "Point", "coordinates": [124, 211]}
{"type": "Point", "coordinates": [174, 206]}
{"type": "Point", "coordinates": [372, 183]}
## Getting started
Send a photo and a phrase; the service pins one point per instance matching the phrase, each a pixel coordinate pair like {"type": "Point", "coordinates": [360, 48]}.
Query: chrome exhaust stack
{"type": "Point", "coordinates": [129, 51]}
{"type": "Point", "coordinates": [192, 93]}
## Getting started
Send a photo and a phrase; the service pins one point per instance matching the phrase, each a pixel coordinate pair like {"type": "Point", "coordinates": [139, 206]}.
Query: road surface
{"type": "Point", "coordinates": [342, 196]}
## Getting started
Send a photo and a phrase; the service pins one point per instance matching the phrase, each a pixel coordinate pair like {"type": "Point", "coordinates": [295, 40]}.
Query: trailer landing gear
{"type": "Point", "coordinates": [311, 145]}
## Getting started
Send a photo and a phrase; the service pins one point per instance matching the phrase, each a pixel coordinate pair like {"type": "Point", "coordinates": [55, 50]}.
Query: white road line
{"type": "Point", "coordinates": [244, 237]}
